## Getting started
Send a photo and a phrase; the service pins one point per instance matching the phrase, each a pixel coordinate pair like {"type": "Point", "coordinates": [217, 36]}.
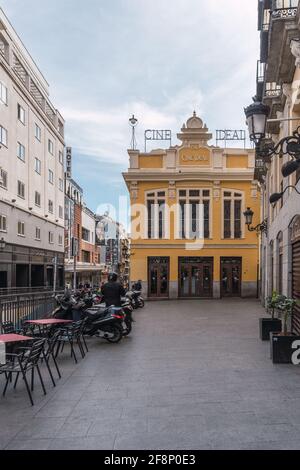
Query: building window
{"type": "Point", "coordinates": [51, 237]}
{"type": "Point", "coordinates": [50, 147]}
{"type": "Point", "coordinates": [2, 223]}
{"type": "Point", "coordinates": [61, 157]}
{"type": "Point", "coordinates": [156, 202]}
{"type": "Point", "coordinates": [271, 267]}
{"type": "Point", "coordinates": [3, 179]}
{"type": "Point", "coordinates": [37, 233]}
{"type": "Point", "coordinates": [60, 212]}
{"type": "Point", "coordinates": [38, 133]}
{"type": "Point", "coordinates": [194, 217]}
{"type": "Point", "coordinates": [21, 189]}
{"type": "Point", "coordinates": [60, 240]}
{"type": "Point", "coordinates": [21, 152]}
{"type": "Point", "coordinates": [85, 234]}
{"type": "Point", "coordinates": [3, 93]}
{"type": "Point", "coordinates": [50, 206]}
{"type": "Point", "coordinates": [3, 136]}
{"type": "Point", "coordinates": [37, 199]}
{"type": "Point", "coordinates": [21, 229]}
{"type": "Point", "coordinates": [232, 214]}
{"type": "Point", "coordinates": [21, 114]}
{"type": "Point", "coordinates": [85, 256]}
{"type": "Point", "coordinates": [50, 176]}
{"type": "Point", "coordinates": [38, 165]}
{"type": "Point", "coordinates": [61, 184]}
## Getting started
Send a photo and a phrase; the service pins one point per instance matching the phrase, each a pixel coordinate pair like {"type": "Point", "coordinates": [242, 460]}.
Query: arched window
{"type": "Point", "coordinates": [280, 263]}
{"type": "Point", "coordinates": [271, 267]}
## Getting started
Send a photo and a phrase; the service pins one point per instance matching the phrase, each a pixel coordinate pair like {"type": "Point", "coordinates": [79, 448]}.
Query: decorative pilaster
{"type": "Point", "coordinates": [217, 190]}
{"type": "Point", "coordinates": [134, 190]}
{"type": "Point", "coordinates": [172, 190]}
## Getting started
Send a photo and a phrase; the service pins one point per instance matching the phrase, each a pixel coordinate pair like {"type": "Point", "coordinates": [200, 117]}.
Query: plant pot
{"type": "Point", "coordinates": [281, 347]}
{"type": "Point", "coordinates": [267, 326]}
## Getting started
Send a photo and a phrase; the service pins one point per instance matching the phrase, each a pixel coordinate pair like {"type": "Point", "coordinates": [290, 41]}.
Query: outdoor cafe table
{"type": "Point", "coordinates": [11, 338]}
{"type": "Point", "coordinates": [44, 322]}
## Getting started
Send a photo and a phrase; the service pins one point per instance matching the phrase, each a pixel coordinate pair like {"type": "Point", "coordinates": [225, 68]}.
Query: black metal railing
{"type": "Point", "coordinates": [20, 307]}
{"type": "Point", "coordinates": [272, 90]}
{"type": "Point", "coordinates": [9, 291]}
{"type": "Point", "coordinates": [284, 9]}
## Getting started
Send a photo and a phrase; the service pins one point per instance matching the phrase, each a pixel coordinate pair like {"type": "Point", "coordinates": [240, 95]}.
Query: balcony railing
{"type": "Point", "coordinates": [284, 9]}
{"type": "Point", "coordinates": [272, 90]}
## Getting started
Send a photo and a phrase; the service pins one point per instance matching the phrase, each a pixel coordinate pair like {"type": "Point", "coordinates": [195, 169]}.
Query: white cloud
{"type": "Point", "coordinates": [105, 134]}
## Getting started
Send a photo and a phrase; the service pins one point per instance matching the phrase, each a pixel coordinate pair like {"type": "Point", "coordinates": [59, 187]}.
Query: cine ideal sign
{"type": "Point", "coordinates": [155, 134]}
{"type": "Point", "coordinates": [69, 162]}
{"type": "Point", "coordinates": [226, 135]}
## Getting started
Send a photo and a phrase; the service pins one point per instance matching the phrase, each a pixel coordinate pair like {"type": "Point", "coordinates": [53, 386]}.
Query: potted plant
{"type": "Point", "coordinates": [281, 343]}
{"type": "Point", "coordinates": [268, 325]}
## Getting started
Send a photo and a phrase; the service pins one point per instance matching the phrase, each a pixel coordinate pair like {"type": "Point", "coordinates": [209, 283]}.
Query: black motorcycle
{"type": "Point", "coordinates": [106, 323]}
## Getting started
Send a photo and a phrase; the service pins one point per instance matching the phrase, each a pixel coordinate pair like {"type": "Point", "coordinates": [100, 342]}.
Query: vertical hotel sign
{"type": "Point", "coordinates": [69, 162]}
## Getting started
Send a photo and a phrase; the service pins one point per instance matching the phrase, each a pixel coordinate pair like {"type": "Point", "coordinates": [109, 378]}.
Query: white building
{"type": "Point", "coordinates": [278, 86]}
{"type": "Point", "coordinates": [32, 170]}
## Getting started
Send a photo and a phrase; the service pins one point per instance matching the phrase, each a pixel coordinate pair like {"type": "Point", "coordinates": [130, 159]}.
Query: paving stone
{"type": "Point", "coordinates": [201, 381]}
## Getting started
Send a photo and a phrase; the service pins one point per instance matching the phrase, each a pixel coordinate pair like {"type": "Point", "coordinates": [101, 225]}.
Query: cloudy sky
{"type": "Point", "coordinates": [158, 59]}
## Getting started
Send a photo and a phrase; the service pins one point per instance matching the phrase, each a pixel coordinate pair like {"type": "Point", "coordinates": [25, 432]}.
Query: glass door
{"type": "Point", "coordinates": [231, 272]}
{"type": "Point", "coordinates": [195, 277]}
{"type": "Point", "coordinates": [158, 277]}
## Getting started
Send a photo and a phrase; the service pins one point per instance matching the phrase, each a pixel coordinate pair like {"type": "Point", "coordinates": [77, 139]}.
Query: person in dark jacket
{"type": "Point", "coordinates": [137, 286]}
{"type": "Point", "coordinates": [112, 291]}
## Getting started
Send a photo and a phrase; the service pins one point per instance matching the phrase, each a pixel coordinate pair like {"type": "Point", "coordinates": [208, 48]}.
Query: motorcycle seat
{"type": "Point", "coordinates": [94, 315]}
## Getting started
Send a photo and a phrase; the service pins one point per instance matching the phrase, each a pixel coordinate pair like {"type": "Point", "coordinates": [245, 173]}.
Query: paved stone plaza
{"type": "Point", "coordinates": [194, 375]}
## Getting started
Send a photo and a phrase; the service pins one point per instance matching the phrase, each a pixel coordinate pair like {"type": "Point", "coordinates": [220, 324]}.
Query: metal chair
{"type": "Point", "coordinates": [71, 334]}
{"type": "Point", "coordinates": [26, 361]}
{"type": "Point", "coordinates": [49, 353]}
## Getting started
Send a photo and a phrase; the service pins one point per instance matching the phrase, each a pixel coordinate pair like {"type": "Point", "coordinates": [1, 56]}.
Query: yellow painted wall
{"type": "Point", "coordinates": [139, 261]}
{"type": "Point", "coordinates": [237, 161]}
{"type": "Point", "coordinates": [244, 186]}
{"type": "Point", "coordinates": [153, 161]}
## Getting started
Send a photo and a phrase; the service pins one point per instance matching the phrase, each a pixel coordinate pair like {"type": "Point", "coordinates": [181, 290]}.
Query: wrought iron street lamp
{"type": "Point", "coordinates": [277, 196]}
{"type": "Point", "coordinates": [257, 114]}
{"type": "Point", "coordinates": [263, 227]}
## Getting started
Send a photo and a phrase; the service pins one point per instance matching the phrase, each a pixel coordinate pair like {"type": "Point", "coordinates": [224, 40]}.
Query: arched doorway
{"type": "Point", "coordinates": [295, 241]}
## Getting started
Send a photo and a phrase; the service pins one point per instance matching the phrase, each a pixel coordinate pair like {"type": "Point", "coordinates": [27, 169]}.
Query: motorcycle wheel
{"type": "Point", "coordinates": [141, 303]}
{"type": "Point", "coordinates": [128, 328]}
{"type": "Point", "coordinates": [117, 332]}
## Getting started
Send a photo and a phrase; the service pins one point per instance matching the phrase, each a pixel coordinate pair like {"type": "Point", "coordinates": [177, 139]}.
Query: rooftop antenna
{"type": "Point", "coordinates": [133, 122]}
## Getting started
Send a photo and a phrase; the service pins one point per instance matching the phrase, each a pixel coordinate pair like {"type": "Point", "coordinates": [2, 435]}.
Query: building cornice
{"type": "Point", "coordinates": [247, 175]}
{"type": "Point", "coordinates": [178, 246]}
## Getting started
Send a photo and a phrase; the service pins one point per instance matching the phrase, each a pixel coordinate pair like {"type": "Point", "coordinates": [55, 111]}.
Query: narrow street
{"type": "Point", "coordinates": [193, 375]}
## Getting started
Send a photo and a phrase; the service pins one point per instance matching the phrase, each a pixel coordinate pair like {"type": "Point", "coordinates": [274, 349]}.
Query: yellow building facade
{"type": "Point", "coordinates": [189, 238]}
